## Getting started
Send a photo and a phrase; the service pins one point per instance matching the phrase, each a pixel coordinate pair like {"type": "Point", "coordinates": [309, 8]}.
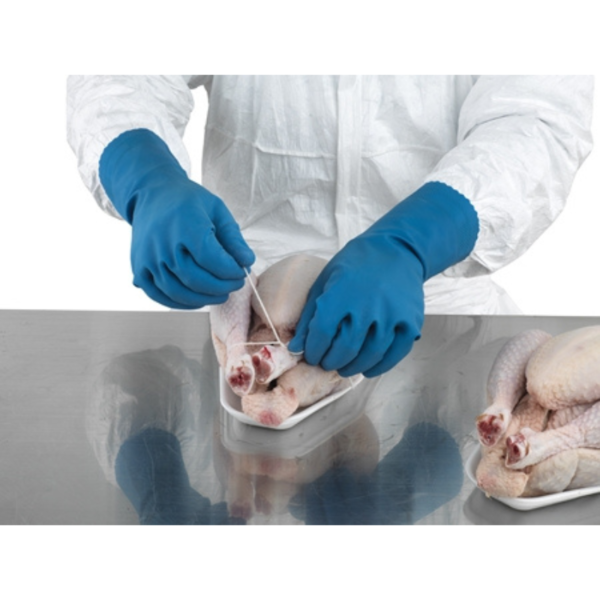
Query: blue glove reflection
{"type": "Point", "coordinates": [420, 474]}
{"type": "Point", "coordinates": [187, 251]}
{"type": "Point", "coordinates": [366, 308]}
{"type": "Point", "coordinates": [150, 471]}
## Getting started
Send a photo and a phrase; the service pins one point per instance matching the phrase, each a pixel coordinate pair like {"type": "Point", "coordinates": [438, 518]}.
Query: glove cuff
{"type": "Point", "coordinates": [436, 222]}
{"type": "Point", "coordinates": [127, 161]}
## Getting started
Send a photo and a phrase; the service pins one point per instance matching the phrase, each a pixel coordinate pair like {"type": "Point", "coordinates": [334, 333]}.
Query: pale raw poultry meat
{"type": "Point", "coordinates": [492, 474]}
{"type": "Point", "coordinates": [541, 433]}
{"type": "Point", "coordinates": [272, 382]}
{"type": "Point", "coordinates": [229, 323]}
{"type": "Point", "coordinates": [570, 469]}
{"type": "Point", "coordinates": [506, 384]}
{"type": "Point", "coordinates": [283, 288]}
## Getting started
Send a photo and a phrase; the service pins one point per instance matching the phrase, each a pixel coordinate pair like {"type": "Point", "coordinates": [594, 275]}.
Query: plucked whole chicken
{"type": "Point", "coordinates": [540, 433]}
{"type": "Point", "coordinates": [271, 382]}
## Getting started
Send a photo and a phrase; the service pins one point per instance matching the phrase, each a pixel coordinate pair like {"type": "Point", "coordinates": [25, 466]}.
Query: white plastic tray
{"type": "Point", "coordinates": [233, 405]}
{"type": "Point", "coordinates": [528, 503]}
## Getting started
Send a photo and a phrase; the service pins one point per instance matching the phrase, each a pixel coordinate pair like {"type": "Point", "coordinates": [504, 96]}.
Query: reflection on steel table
{"type": "Point", "coordinates": [115, 418]}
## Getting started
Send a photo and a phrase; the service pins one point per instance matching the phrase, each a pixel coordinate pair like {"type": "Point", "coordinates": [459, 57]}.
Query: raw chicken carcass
{"type": "Point", "coordinates": [241, 332]}
{"type": "Point", "coordinates": [560, 448]}
{"type": "Point", "coordinates": [272, 382]}
{"type": "Point", "coordinates": [570, 469]}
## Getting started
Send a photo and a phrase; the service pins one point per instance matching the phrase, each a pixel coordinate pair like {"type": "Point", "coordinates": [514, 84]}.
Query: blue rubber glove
{"type": "Point", "coordinates": [366, 308]}
{"type": "Point", "coordinates": [187, 251]}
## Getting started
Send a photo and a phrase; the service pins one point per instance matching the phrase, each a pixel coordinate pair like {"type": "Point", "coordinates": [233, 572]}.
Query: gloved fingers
{"type": "Point", "coordinates": [346, 345]}
{"type": "Point", "coordinates": [198, 279]}
{"type": "Point", "coordinates": [321, 331]}
{"type": "Point", "coordinates": [209, 255]}
{"type": "Point", "coordinates": [145, 281]}
{"type": "Point", "coordinates": [168, 282]}
{"type": "Point", "coordinates": [230, 237]}
{"type": "Point", "coordinates": [373, 347]}
{"type": "Point", "coordinates": [403, 342]}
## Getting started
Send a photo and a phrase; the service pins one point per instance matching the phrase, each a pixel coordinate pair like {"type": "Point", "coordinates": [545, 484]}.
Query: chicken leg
{"type": "Point", "coordinates": [506, 384]}
{"type": "Point", "coordinates": [529, 447]}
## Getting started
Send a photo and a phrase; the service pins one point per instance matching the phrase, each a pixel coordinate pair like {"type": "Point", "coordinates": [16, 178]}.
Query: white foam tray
{"type": "Point", "coordinates": [528, 503]}
{"type": "Point", "coordinates": [232, 404]}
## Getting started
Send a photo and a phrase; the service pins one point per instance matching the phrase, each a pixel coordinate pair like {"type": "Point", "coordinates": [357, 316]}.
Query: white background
{"type": "Point", "coordinates": [60, 251]}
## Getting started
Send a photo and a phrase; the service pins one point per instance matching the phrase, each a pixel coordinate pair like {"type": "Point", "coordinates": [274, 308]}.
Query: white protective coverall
{"type": "Point", "coordinates": [306, 163]}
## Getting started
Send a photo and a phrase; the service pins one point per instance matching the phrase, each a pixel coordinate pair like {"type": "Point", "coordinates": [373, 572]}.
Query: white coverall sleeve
{"type": "Point", "coordinates": [101, 107]}
{"type": "Point", "coordinates": [521, 139]}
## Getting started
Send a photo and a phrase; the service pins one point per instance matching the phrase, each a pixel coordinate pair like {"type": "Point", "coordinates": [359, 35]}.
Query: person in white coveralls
{"type": "Point", "coordinates": [415, 189]}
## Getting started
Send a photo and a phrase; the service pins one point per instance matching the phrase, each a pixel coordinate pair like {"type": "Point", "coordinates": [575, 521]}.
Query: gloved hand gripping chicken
{"type": "Point", "coordinates": [272, 382]}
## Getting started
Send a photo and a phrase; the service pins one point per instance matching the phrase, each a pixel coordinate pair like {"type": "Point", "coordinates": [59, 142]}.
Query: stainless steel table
{"type": "Point", "coordinates": [114, 418]}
